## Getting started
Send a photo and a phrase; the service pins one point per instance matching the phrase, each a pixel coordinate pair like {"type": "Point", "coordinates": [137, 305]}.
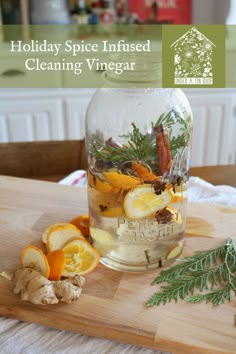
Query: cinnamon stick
{"type": "Point", "coordinates": [163, 150]}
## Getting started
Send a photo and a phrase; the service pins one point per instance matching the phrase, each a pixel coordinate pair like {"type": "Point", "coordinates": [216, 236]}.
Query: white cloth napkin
{"type": "Point", "coordinates": [199, 190]}
{"type": "Point", "coordinates": [76, 178]}
{"type": "Point", "coordinates": [202, 191]}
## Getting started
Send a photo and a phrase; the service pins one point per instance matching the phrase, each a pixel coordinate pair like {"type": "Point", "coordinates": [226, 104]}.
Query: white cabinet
{"type": "Point", "coordinates": [57, 114]}
{"type": "Point", "coordinates": [30, 119]}
{"type": "Point", "coordinates": [214, 126]}
{"type": "Point", "coordinates": [42, 114]}
{"type": "Point", "coordinates": [75, 109]}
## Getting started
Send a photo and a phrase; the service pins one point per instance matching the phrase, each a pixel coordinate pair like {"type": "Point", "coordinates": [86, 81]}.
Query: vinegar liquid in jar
{"type": "Point", "coordinates": [138, 143]}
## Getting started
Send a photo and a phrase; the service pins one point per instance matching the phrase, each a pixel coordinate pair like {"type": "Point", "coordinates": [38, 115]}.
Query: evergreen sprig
{"type": "Point", "coordinates": [141, 146]}
{"type": "Point", "coordinates": [207, 276]}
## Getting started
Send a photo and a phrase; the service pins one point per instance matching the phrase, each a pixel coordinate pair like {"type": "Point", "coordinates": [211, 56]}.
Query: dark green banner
{"type": "Point", "coordinates": [77, 56]}
{"type": "Point", "coordinates": [74, 56]}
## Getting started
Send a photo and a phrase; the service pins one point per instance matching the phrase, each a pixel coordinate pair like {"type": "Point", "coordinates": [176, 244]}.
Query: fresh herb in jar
{"type": "Point", "coordinates": [142, 147]}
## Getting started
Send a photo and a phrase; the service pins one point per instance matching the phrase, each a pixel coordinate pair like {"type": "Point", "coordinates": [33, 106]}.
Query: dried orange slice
{"type": "Point", "coordinates": [49, 229]}
{"type": "Point", "coordinates": [80, 258]}
{"type": "Point", "coordinates": [34, 257]}
{"type": "Point", "coordinates": [112, 212]}
{"type": "Point", "coordinates": [121, 181]}
{"type": "Point", "coordinates": [82, 223]}
{"type": "Point", "coordinates": [100, 203]}
{"type": "Point", "coordinates": [143, 172]}
{"type": "Point", "coordinates": [179, 196]}
{"type": "Point", "coordinates": [61, 235]}
{"type": "Point", "coordinates": [56, 261]}
{"type": "Point", "coordinates": [99, 185]}
{"type": "Point", "coordinates": [141, 201]}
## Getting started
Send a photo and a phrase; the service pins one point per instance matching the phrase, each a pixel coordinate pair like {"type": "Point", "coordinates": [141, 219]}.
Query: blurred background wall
{"type": "Point", "coordinates": [193, 11]}
{"type": "Point", "coordinates": [58, 114]}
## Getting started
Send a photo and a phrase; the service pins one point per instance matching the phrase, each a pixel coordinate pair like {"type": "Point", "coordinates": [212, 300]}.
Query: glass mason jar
{"type": "Point", "coordinates": [138, 143]}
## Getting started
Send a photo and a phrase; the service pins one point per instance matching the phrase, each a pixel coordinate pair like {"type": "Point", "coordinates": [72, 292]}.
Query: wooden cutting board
{"type": "Point", "coordinates": [112, 304]}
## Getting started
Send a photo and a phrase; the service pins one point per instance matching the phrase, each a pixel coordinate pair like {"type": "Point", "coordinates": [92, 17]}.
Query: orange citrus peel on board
{"type": "Point", "coordinates": [68, 253]}
{"type": "Point", "coordinates": [59, 236]}
{"type": "Point", "coordinates": [82, 223]}
{"type": "Point", "coordinates": [33, 257]}
{"type": "Point", "coordinates": [56, 261]}
{"type": "Point", "coordinates": [80, 258]}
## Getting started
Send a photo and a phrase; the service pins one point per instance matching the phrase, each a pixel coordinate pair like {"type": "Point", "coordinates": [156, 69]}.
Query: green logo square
{"type": "Point", "coordinates": [193, 56]}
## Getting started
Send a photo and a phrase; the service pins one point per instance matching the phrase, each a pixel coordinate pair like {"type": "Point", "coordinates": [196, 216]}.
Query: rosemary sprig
{"type": "Point", "coordinates": [110, 153]}
{"type": "Point", "coordinates": [141, 146]}
{"type": "Point", "coordinates": [212, 271]}
{"type": "Point", "coordinates": [180, 141]}
{"type": "Point", "coordinates": [138, 147]}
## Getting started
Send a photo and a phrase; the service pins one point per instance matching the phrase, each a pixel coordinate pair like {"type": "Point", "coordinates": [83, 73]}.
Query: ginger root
{"type": "Point", "coordinates": [34, 287]}
{"type": "Point", "coordinates": [69, 289]}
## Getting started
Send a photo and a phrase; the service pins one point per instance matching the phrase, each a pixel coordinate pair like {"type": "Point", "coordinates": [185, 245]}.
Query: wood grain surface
{"type": "Point", "coordinates": [112, 304]}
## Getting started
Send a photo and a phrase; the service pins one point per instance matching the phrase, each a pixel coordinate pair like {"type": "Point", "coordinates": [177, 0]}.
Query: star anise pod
{"type": "Point", "coordinates": [163, 216]}
{"type": "Point", "coordinates": [176, 181]}
{"type": "Point", "coordinates": [102, 207]}
{"type": "Point", "coordinates": [158, 186]}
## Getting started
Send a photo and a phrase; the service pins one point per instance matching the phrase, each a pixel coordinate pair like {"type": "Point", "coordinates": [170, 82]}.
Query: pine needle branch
{"type": "Point", "coordinates": [212, 271]}
{"type": "Point", "coordinates": [199, 261]}
{"type": "Point", "coordinates": [142, 146]}
{"type": "Point", "coordinates": [217, 296]}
